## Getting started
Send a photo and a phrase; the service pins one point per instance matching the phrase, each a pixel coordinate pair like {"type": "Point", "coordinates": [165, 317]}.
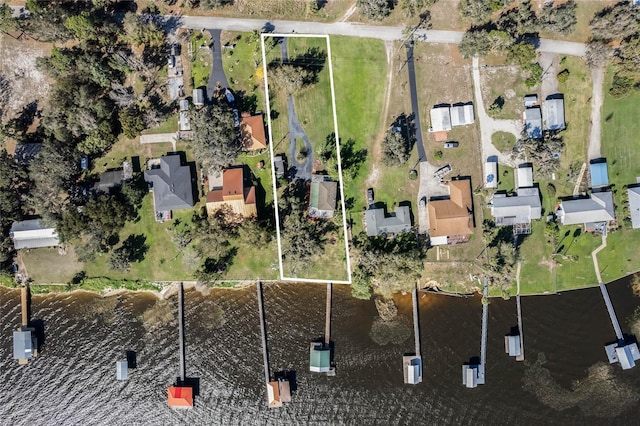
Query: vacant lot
{"type": "Point", "coordinates": [47, 265]}
{"type": "Point", "coordinates": [504, 82]}
{"type": "Point", "coordinates": [18, 66]}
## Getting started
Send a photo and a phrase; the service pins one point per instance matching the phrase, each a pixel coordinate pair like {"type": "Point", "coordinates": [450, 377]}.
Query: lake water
{"type": "Point", "coordinates": [73, 380]}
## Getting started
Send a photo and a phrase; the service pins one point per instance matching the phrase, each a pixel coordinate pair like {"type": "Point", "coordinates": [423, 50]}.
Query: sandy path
{"type": "Point", "coordinates": [348, 13]}
{"type": "Point", "coordinates": [597, 77]}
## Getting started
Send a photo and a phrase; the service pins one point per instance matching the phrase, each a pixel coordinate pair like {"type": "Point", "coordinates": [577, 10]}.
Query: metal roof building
{"type": "Point", "coordinates": [462, 114]}
{"type": "Point", "coordinates": [122, 372]}
{"type": "Point", "coordinates": [491, 174]}
{"type": "Point", "coordinates": [319, 358]}
{"type": "Point", "coordinates": [171, 184]}
{"type": "Point", "coordinates": [440, 119]}
{"type": "Point", "coordinates": [32, 234]}
{"type": "Point", "coordinates": [278, 164]}
{"type": "Point", "coordinates": [597, 208]}
{"type": "Point", "coordinates": [633, 194]}
{"type": "Point", "coordinates": [25, 344]}
{"type": "Point", "coordinates": [624, 353]}
{"type": "Point", "coordinates": [521, 209]}
{"type": "Point", "coordinates": [322, 197]}
{"type": "Point", "coordinates": [198, 97]}
{"type": "Point", "coordinates": [554, 113]}
{"type": "Point", "coordinates": [524, 176]}
{"type": "Point", "coordinates": [599, 173]}
{"type": "Point", "coordinates": [377, 223]}
{"type": "Point", "coordinates": [530, 100]}
{"type": "Point", "coordinates": [533, 122]}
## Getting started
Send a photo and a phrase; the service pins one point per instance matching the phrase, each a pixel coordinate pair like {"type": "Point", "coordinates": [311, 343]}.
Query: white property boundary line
{"type": "Point", "coordinates": [273, 172]}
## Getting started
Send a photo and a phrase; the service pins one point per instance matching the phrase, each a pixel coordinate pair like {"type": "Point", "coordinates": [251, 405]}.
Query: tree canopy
{"type": "Point", "coordinates": [215, 143]}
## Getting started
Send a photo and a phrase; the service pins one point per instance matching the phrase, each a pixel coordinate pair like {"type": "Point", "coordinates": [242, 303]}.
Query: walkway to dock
{"type": "Point", "coordinates": [181, 332]}
{"type": "Point", "coordinates": [485, 317]}
{"type": "Point", "coordinates": [327, 321]}
{"type": "Point", "coordinates": [265, 355]}
{"type": "Point", "coordinates": [519, 308]}
{"type": "Point", "coordinates": [603, 289]}
{"type": "Point", "coordinates": [416, 320]}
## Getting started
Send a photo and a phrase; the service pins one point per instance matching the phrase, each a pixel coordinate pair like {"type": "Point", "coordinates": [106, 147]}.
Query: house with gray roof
{"type": "Point", "coordinates": [593, 212]}
{"type": "Point", "coordinates": [554, 113]}
{"type": "Point", "coordinates": [171, 186]}
{"type": "Point", "coordinates": [32, 233]}
{"type": "Point", "coordinates": [518, 210]}
{"type": "Point", "coordinates": [633, 194]}
{"type": "Point", "coordinates": [323, 194]}
{"type": "Point", "coordinates": [533, 122]}
{"type": "Point", "coordinates": [378, 223]}
{"type": "Point", "coordinates": [462, 114]}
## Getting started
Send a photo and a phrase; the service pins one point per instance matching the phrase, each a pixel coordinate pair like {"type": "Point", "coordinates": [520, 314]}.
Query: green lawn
{"type": "Point", "coordinates": [507, 179]}
{"type": "Point", "coordinates": [170, 125]}
{"type": "Point", "coordinates": [201, 62]}
{"type": "Point", "coordinates": [503, 141]}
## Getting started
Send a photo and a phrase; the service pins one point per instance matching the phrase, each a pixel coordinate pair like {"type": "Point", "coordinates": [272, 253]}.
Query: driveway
{"type": "Point", "coordinates": [488, 125]}
{"type": "Point", "coordinates": [422, 156]}
{"type": "Point", "coordinates": [302, 170]}
{"type": "Point", "coordinates": [549, 63]}
{"type": "Point", "coordinates": [217, 71]}
{"type": "Point", "coordinates": [597, 78]}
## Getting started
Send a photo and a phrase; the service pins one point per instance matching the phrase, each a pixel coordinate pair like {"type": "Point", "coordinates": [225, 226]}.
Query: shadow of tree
{"type": "Point", "coordinates": [136, 247]}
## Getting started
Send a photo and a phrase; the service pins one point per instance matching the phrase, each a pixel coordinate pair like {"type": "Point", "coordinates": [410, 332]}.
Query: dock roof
{"type": "Point", "coordinates": [319, 358]}
{"type": "Point", "coordinates": [180, 397]}
{"type": "Point", "coordinates": [24, 343]}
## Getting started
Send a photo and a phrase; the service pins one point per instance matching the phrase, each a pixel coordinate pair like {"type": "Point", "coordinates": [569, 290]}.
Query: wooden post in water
{"type": "Point", "coordinates": [24, 298]}
{"type": "Point", "coordinates": [265, 354]}
{"type": "Point", "coordinates": [327, 321]}
{"type": "Point", "coordinates": [181, 332]}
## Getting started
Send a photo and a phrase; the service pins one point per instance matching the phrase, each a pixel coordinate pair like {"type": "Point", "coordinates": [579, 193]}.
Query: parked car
{"type": "Point", "coordinates": [230, 98]}
{"type": "Point", "coordinates": [370, 196]}
{"type": "Point", "coordinates": [451, 144]}
{"type": "Point", "coordinates": [84, 163]}
{"type": "Point", "coordinates": [236, 118]}
{"type": "Point", "coordinates": [171, 61]}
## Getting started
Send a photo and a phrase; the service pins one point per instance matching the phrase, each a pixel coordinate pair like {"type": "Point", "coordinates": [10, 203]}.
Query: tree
{"type": "Point", "coordinates": [376, 10]}
{"type": "Point", "coordinates": [559, 19]}
{"type": "Point", "coordinates": [290, 78]}
{"type": "Point", "coordinates": [475, 42]}
{"type": "Point", "coordinates": [142, 30]}
{"type": "Point", "coordinates": [598, 53]}
{"type": "Point", "coordinates": [395, 148]}
{"type": "Point", "coordinates": [215, 143]}
{"type": "Point", "coordinates": [214, 4]}
{"type": "Point", "coordinates": [616, 22]}
{"type": "Point", "coordinates": [414, 7]}
{"type": "Point", "coordinates": [477, 11]}
{"type": "Point", "coordinates": [521, 53]}
{"type": "Point", "coordinates": [14, 188]}
{"type": "Point", "coordinates": [519, 21]}
{"type": "Point", "coordinates": [119, 260]}
{"type": "Point", "coordinates": [131, 122]}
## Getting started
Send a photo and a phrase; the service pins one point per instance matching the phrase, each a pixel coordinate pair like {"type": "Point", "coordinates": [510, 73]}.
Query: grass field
{"type": "Point", "coordinates": [201, 62]}
{"type": "Point", "coordinates": [506, 82]}
{"type": "Point", "coordinates": [506, 181]}
{"type": "Point", "coordinates": [503, 141]}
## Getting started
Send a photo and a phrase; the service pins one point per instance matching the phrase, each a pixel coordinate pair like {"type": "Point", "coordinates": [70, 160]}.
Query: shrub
{"type": "Point", "coordinates": [437, 155]}
{"type": "Point", "coordinates": [563, 75]}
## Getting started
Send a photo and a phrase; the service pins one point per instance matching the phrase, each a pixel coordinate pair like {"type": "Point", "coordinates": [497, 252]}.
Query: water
{"type": "Point", "coordinates": [73, 380]}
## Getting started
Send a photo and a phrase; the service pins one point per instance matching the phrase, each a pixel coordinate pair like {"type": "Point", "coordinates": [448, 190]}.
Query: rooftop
{"type": "Point", "coordinates": [377, 223]}
{"type": "Point", "coordinates": [180, 397]}
{"type": "Point", "coordinates": [252, 132]}
{"type": "Point", "coordinates": [32, 234]}
{"type": "Point", "coordinates": [554, 113]}
{"type": "Point", "coordinates": [236, 192]}
{"type": "Point", "coordinates": [171, 184]}
{"type": "Point", "coordinates": [533, 122]}
{"type": "Point", "coordinates": [454, 215]}
{"type": "Point", "coordinates": [322, 198]}
{"type": "Point", "coordinates": [597, 208]}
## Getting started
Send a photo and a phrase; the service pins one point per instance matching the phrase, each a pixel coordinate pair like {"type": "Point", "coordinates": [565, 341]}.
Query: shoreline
{"type": "Point", "coordinates": [169, 289]}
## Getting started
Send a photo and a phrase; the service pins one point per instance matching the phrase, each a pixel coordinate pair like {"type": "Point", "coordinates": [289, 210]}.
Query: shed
{"type": "Point", "coordinates": [25, 344]}
{"type": "Point", "coordinates": [440, 119]}
{"type": "Point", "coordinates": [599, 173]}
{"type": "Point", "coordinates": [525, 175]}
{"type": "Point", "coordinates": [122, 372]}
{"type": "Point", "coordinates": [533, 122]}
{"type": "Point", "coordinates": [198, 97]}
{"type": "Point", "coordinates": [185, 124]}
{"type": "Point", "coordinates": [554, 113]}
{"type": "Point", "coordinates": [180, 397]}
{"type": "Point", "coordinates": [278, 164]}
{"type": "Point", "coordinates": [319, 358]}
{"type": "Point", "coordinates": [491, 174]}
{"type": "Point", "coordinates": [33, 234]}
{"type": "Point", "coordinates": [530, 100]}
{"type": "Point", "coordinates": [633, 194]}
{"type": "Point", "coordinates": [184, 105]}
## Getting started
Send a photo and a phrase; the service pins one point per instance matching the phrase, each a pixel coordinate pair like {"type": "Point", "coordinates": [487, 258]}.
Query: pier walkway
{"type": "Point", "coordinates": [181, 332]}
{"type": "Point", "coordinates": [603, 290]}
{"type": "Point", "coordinates": [416, 321]}
{"type": "Point", "coordinates": [519, 308]}
{"type": "Point", "coordinates": [327, 320]}
{"type": "Point", "coordinates": [483, 344]}
{"type": "Point", "coordinates": [263, 331]}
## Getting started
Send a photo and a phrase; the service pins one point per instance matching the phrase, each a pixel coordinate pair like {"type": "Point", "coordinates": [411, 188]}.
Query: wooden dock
{"type": "Point", "coordinates": [612, 313]}
{"type": "Point", "coordinates": [263, 331]}
{"type": "Point", "coordinates": [412, 364]}
{"type": "Point", "coordinates": [416, 321]}
{"type": "Point", "coordinates": [183, 374]}
{"type": "Point", "coordinates": [483, 343]}
{"type": "Point", "coordinates": [519, 308]}
{"type": "Point", "coordinates": [327, 320]}
{"type": "Point", "coordinates": [24, 300]}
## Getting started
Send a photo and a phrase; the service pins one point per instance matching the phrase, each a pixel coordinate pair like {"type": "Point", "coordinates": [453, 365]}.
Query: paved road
{"type": "Point", "coordinates": [350, 29]}
{"type": "Point", "coordinates": [422, 156]}
{"type": "Point", "coordinates": [217, 70]}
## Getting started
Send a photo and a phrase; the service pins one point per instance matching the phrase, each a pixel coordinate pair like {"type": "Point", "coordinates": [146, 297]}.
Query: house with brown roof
{"type": "Point", "coordinates": [252, 134]}
{"type": "Point", "coordinates": [237, 192]}
{"type": "Point", "coordinates": [451, 219]}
